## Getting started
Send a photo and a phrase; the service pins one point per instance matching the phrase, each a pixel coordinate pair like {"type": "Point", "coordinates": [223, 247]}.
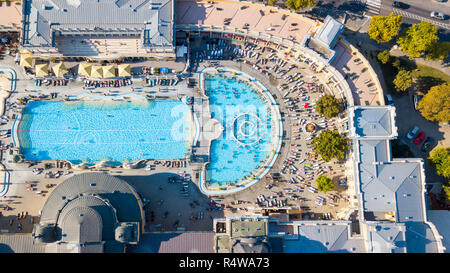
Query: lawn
{"type": "Point", "coordinates": [427, 71]}
{"type": "Point", "coordinates": [427, 77]}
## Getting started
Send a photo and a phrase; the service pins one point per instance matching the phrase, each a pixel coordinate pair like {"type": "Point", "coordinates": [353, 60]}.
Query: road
{"type": "Point", "coordinates": [416, 11]}
{"type": "Point", "coordinates": [407, 118]}
{"type": "Point", "coordinates": [419, 10]}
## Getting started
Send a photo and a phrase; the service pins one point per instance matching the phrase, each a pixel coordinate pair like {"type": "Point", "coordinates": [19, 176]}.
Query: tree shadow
{"type": "Point", "coordinates": [424, 83]}
{"type": "Point", "coordinates": [355, 7]}
{"type": "Point", "coordinates": [322, 10]}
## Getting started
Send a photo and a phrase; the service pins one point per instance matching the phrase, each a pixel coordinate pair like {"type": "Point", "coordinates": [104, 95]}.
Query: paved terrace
{"type": "Point", "coordinates": [10, 16]}
{"type": "Point", "coordinates": [100, 47]}
{"type": "Point", "coordinates": [359, 78]}
{"type": "Point", "coordinates": [203, 13]}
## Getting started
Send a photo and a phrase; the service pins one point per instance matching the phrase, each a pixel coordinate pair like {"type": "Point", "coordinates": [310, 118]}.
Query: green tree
{"type": "Point", "coordinates": [418, 39]}
{"type": "Point", "coordinates": [403, 80]}
{"type": "Point", "coordinates": [446, 189]}
{"type": "Point", "coordinates": [435, 105]}
{"type": "Point", "coordinates": [384, 56]}
{"type": "Point", "coordinates": [299, 4]}
{"type": "Point", "coordinates": [324, 183]}
{"type": "Point", "coordinates": [384, 28]}
{"type": "Point", "coordinates": [329, 144]}
{"type": "Point", "coordinates": [328, 106]}
{"type": "Point", "coordinates": [272, 2]}
{"type": "Point", "coordinates": [440, 158]}
{"type": "Point", "coordinates": [438, 51]}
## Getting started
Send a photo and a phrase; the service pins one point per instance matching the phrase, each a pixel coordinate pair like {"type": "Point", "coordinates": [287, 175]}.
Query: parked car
{"type": "Point", "coordinates": [427, 144]}
{"type": "Point", "coordinates": [437, 15]}
{"type": "Point", "coordinates": [420, 137]}
{"type": "Point", "coordinates": [390, 101]}
{"type": "Point", "coordinates": [416, 99]}
{"type": "Point", "coordinates": [397, 4]}
{"type": "Point", "coordinates": [412, 133]}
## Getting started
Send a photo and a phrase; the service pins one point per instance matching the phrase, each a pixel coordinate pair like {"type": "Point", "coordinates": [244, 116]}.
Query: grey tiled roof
{"type": "Point", "coordinates": [250, 245]}
{"type": "Point", "coordinates": [385, 237]}
{"type": "Point", "coordinates": [19, 243]}
{"type": "Point", "coordinates": [329, 30]}
{"type": "Point", "coordinates": [373, 151]}
{"type": "Point", "coordinates": [321, 237]}
{"type": "Point", "coordinates": [45, 17]}
{"type": "Point", "coordinates": [392, 186]}
{"type": "Point", "coordinates": [82, 223]}
{"type": "Point", "coordinates": [116, 191]}
{"type": "Point", "coordinates": [389, 185]}
{"type": "Point", "coordinates": [175, 242]}
{"type": "Point", "coordinates": [87, 209]}
{"type": "Point", "coordinates": [419, 238]}
{"type": "Point", "coordinates": [373, 122]}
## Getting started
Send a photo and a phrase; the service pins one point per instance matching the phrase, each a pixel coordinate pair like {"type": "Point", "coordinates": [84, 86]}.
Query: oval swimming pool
{"type": "Point", "coordinates": [251, 129]}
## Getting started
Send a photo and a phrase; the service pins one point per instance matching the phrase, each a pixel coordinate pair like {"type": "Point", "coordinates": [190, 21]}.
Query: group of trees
{"type": "Point", "coordinates": [272, 2]}
{"type": "Point", "coordinates": [328, 106]}
{"type": "Point", "coordinates": [384, 56]}
{"type": "Point", "coordinates": [324, 183]}
{"type": "Point", "coordinates": [330, 144]}
{"type": "Point", "coordinates": [383, 28]}
{"type": "Point", "coordinates": [419, 40]}
{"type": "Point", "coordinates": [296, 5]}
{"type": "Point", "coordinates": [403, 79]}
{"type": "Point", "coordinates": [435, 105]}
{"type": "Point", "coordinates": [440, 158]}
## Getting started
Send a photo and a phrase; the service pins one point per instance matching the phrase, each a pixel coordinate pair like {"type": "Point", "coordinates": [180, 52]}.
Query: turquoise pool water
{"type": "Point", "coordinates": [116, 131]}
{"type": "Point", "coordinates": [246, 140]}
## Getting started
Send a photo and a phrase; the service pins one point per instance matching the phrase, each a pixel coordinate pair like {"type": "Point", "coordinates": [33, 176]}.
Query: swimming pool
{"type": "Point", "coordinates": [249, 139]}
{"type": "Point", "coordinates": [90, 131]}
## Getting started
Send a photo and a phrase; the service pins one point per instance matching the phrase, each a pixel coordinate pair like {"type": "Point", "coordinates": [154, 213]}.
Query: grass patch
{"type": "Point", "coordinates": [427, 77]}
{"type": "Point", "coordinates": [427, 71]}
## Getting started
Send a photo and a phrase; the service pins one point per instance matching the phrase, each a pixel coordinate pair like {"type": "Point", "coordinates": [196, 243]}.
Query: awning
{"type": "Point", "coordinates": [96, 72]}
{"type": "Point", "coordinates": [60, 69]}
{"type": "Point", "coordinates": [26, 60]}
{"type": "Point", "coordinates": [124, 70]}
{"type": "Point", "coordinates": [84, 69]}
{"type": "Point", "coordinates": [41, 70]}
{"type": "Point", "coordinates": [109, 71]}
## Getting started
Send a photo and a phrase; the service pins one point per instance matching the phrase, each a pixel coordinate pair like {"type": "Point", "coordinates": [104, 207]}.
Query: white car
{"type": "Point", "coordinates": [413, 132]}
{"type": "Point", "coordinates": [437, 15]}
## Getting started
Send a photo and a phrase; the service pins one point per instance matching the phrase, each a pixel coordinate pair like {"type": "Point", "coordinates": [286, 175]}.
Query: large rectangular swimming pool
{"type": "Point", "coordinates": [116, 131]}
